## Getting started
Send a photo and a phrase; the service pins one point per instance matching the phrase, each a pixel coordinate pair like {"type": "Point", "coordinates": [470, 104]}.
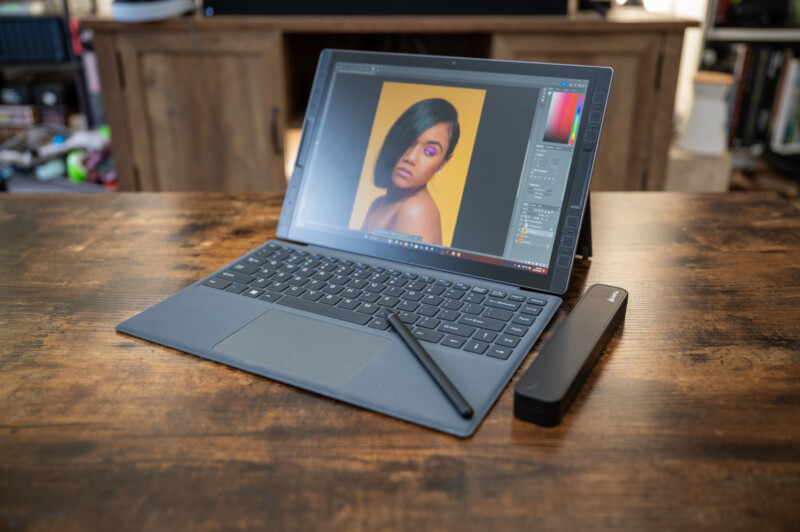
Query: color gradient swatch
{"type": "Point", "coordinates": [563, 118]}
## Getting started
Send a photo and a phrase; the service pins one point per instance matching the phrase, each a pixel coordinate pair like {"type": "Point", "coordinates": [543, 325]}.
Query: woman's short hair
{"type": "Point", "coordinates": [405, 131]}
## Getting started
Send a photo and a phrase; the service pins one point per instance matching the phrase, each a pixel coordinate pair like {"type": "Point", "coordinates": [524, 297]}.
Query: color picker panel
{"type": "Point", "coordinates": [563, 117]}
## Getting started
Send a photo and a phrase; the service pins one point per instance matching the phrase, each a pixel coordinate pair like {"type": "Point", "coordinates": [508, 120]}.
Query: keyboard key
{"type": "Point", "coordinates": [379, 278]}
{"type": "Point", "coordinates": [537, 301]}
{"type": "Point", "coordinates": [397, 281]}
{"type": "Point", "coordinates": [330, 299]}
{"type": "Point", "coordinates": [483, 323]}
{"type": "Point", "coordinates": [369, 297]}
{"type": "Point", "coordinates": [277, 287]}
{"type": "Point", "coordinates": [474, 297]}
{"type": "Point", "coordinates": [428, 310]}
{"type": "Point", "coordinates": [281, 277]}
{"type": "Point", "coordinates": [348, 303]}
{"type": "Point", "coordinates": [313, 295]}
{"type": "Point", "coordinates": [350, 292]}
{"type": "Point", "coordinates": [271, 297]}
{"type": "Point", "coordinates": [416, 286]}
{"type": "Point", "coordinates": [479, 290]}
{"type": "Point", "coordinates": [428, 322]}
{"type": "Point", "coordinates": [448, 315]}
{"type": "Point", "coordinates": [434, 290]}
{"type": "Point", "coordinates": [408, 306]}
{"type": "Point", "coordinates": [516, 330]}
{"type": "Point", "coordinates": [461, 286]}
{"type": "Point", "coordinates": [389, 301]}
{"type": "Point", "coordinates": [394, 273]}
{"type": "Point", "coordinates": [412, 295]}
{"type": "Point", "coordinates": [297, 281]}
{"type": "Point", "coordinates": [245, 268]}
{"type": "Point", "coordinates": [378, 323]}
{"type": "Point", "coordinates": [315, 285]}
{"type": "Point", "coordinates": [427, 279]}
{"type": "Point", "coordinates": [501, 303]}
{"type": "Point", "coordinates": [501, 352]}
{"type": "Point", "coordinates": [236, 288]}
{"type": "Point", "coordinates": [446, 284]}
{"type": "Point", "coordinates": [356, 283]}
{"type": "Point", "coordinates": [475, 346]}
{"type": "Point", "coordinates": [427, 335]}
{"type": "Point", "coordinates": [460, 330]}
{"type": "Point", "coordinates": [474, 309]}
{"type": "Point", "coordinates": [325, 310]}
{"type": "Point", "coordinates": [266, 273]}
{"type": "Point", "coordinates": [305, 271]}
{"type": "Point", "coordinates": [361, 275]}
{"type": "Point", "coordinates": [498, 314]}
{"type": "Point", "coordinates": [333, 288]}
{"type": "Point", "coordinates": [410, 276]}
{"type": "Point", "coordinates": [454, 294]}
{"type": "Point", "coordinates": [497, 293]}
{"type": "Point", "coordinates": [294, 291]}
{"type": "Point", "coordinates": [452, 304]}
{"type": "Point", "coordinates": [516, 297]}
{"type": "Point", "coordinates": [531, 309]}
{"type": "Point", "coordinates": [522, 319]}
{"type": "Point", "coordinates": [219, 284]}
{"type": "Point", "coordinates": [485, 336]}
{"type": "Point", "coordinates": [507, 341]}
{"type": "Point", "coordinates": [375, 287]}
{"type": "Point", "coordinates": [322, 276]}
{"type": "Point", "coordinates": [252, 292]}
{"type": "Point", "coordinates": [407, 317]}
{"type": "Point", "coordinates": [260, 282]}
{"type": "Point", "coordinates": [432, 300]}
{"type": "Point", "coordinates": [454, 341]}
{"type": "Point", "coordinates": [368, 308]}
{"type": "Point", "coordinates": [393, 291]}
{"type": "Point", "coordinates": [235, 277]}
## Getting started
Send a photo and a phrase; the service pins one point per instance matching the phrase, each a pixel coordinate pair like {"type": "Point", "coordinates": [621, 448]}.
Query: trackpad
{"type": "Point", "coordinates": [305, 347]}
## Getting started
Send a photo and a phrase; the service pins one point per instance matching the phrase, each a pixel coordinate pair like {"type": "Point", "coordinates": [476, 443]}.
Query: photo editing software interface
{"type": "Point", "coordinates": [495, 190]}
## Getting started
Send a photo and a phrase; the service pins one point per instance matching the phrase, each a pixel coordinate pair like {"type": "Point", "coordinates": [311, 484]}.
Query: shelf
{"type": "Point", "coordinates": [61, 66]}
{"type": "Point", "coordinates": [754, 35]}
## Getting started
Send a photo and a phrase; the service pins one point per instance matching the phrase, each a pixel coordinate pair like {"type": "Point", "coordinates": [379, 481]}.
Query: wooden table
{"type": "Point", "coordinates": [690, 420]}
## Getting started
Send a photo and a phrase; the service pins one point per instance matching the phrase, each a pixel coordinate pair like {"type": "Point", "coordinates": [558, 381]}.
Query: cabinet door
{"type": "Point", "coordinates": [205, 111]}
{"type": "Point", "coordinates": [628, 129]}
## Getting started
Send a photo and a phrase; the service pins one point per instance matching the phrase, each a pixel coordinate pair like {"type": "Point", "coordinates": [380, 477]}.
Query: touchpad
{"type": "Point", "coordinates": [305, 347]}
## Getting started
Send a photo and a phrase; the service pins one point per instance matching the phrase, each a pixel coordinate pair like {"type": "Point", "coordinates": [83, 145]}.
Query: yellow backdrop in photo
{"type": "Point", "coordinates": [445, 188]}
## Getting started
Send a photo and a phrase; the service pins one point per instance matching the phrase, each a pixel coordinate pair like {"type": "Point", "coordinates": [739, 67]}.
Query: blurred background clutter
{"type": "Point", "coordinates": [101, 95]}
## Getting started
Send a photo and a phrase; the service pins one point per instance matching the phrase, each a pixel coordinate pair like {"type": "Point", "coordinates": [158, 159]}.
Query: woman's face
{"type": "Point", "coordinates": [423, 158]}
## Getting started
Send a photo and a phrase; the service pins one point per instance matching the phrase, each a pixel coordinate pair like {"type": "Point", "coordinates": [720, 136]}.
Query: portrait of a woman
{"type": "Point", "coordinates": [416, 148]}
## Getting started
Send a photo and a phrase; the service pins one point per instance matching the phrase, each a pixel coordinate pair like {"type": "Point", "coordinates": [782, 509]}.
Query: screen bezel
{"type": "Point", "coordinates": [556, 279]}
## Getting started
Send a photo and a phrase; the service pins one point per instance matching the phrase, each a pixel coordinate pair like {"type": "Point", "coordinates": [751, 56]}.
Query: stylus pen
{"type": "Point", "coordinates": [433, 368]}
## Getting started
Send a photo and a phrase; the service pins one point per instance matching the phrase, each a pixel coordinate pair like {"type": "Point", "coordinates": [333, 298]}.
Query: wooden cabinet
{"type": "Point", "coordinates": [200, 111]}
{"type": "Point", "coordinates": [638, 124]}
{"type": "Point", "coordinates": [201, 103]}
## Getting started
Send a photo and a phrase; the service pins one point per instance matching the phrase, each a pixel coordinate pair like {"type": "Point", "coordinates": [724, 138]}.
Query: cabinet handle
{"type": "Point", "coordinates": [275, 131]}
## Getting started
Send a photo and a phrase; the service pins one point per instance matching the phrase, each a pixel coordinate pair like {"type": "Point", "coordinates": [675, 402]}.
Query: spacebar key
{"type": "Point", "coordinates": [325, 310]}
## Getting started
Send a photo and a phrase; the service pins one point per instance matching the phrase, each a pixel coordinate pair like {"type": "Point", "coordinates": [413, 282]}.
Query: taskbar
{"type": "Point", "coordinates": [416, 244]}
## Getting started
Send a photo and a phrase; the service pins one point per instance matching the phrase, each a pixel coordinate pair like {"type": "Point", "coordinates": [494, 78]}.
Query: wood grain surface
{"type": "Point", "coordinates": [691, 419]}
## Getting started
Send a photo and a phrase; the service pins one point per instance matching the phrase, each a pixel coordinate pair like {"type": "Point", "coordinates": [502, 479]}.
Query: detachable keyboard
{"type": "Point", "coordinates": [462, 316]}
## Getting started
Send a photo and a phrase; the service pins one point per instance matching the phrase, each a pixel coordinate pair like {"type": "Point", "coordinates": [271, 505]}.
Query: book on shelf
{"type": "Point", "coordinates": [760, 83]}
{"type": "Point", "coordinates": [786, 116]}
